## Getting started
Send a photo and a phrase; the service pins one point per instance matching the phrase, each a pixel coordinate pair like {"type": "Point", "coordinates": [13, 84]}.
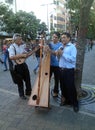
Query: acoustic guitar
{"type": "Point", "coordinates": [22, 60]}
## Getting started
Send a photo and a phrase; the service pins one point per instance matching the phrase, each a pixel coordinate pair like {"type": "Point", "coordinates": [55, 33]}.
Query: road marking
{"type": "Point", "coordinates": [9, 92]}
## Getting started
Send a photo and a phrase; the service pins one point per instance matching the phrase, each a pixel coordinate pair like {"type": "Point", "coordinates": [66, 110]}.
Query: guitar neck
{"type": "Point", "coordinates": [33, 51]}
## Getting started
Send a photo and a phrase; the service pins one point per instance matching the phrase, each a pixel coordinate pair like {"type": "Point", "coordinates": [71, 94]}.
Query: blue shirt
{"type": "Point", "coordinates": [68, 57]}
{"type": "Point", "coordinates": [54, 47]}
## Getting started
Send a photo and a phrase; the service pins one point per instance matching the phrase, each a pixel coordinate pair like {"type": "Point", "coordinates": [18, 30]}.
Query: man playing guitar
{"type": "Point", "coordinates": [16, 54]}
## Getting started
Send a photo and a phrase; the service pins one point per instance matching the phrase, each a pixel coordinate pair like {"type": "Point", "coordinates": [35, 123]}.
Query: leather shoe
{"type": "Point", "coordinates": [76, 108]}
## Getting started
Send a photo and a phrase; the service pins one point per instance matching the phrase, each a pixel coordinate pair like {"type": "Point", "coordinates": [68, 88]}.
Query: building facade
{"type": "Point", "coordinates": [59, 19]}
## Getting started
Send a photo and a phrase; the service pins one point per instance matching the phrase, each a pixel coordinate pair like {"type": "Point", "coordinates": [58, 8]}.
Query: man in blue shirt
{"type": "Point", "coordinates": [54, 64]}
{"type": "Point", "coordinates": [67, 64]}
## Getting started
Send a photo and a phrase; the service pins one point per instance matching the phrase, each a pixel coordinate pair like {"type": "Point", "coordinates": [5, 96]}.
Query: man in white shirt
{"type": "Point", "coordinates": [16, 52]}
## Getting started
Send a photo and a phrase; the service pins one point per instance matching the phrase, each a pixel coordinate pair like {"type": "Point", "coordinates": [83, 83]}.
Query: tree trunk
{"type": "Point", "coordinates": [85, 6]}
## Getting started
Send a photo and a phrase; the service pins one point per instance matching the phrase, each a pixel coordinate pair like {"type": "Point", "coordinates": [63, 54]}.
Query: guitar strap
{"type": "Point", "coordinates": [15, 76]}
{"type": "Point", "coordinates": [14, 50]}
{"type": "Point", "coordinates": [15, 53]}
{"type": "Point", "coordinates": [11, 62]}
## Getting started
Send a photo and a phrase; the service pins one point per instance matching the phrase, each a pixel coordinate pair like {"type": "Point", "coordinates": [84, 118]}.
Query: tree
{"type": "Point", "coordinates": [5, 13]}
{"type": "Point", "coordinates": [21, 22]}
{"type": "Point", "coordinates": [26, 24]}
{"type": "Point", "coordinates": [84, 11]}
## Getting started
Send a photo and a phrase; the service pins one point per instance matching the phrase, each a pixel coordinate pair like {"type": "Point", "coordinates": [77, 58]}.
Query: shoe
{"type": "Point", "coordinates": [2, 62]}
{"type": "Point", "coordinates": [55, 95]}
{"type": "Point", "coordinates": [63, 103]}
{"type": "Point", "coordinates": [76, 108]}
{"type": "Point", "coordinates": [23, 97]}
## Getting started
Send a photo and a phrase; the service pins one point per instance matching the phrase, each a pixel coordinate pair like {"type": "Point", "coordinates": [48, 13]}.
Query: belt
{"type": "Point", "coordinates": [66, 68]}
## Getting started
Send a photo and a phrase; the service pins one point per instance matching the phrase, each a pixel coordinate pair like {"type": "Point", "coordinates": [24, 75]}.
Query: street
{"type": "Point", "coordinates": [15, 114]}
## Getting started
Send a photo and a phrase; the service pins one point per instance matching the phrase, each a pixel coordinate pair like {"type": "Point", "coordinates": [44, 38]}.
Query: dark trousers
{"type": "Point", "coordinates": [23, 71]}
{"type": "Point", "coordinates": [55, 70]}
{"type": "Point", "coordinates": [67, 84]}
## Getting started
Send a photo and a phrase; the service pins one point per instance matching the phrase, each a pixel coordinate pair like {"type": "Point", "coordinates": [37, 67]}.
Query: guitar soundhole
{"type": "Point", "coordinates": [46, 73]}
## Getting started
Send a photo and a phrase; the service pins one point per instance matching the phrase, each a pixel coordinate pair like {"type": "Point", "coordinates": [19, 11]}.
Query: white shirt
{"type": "Point", "coordinates": [19, 49]}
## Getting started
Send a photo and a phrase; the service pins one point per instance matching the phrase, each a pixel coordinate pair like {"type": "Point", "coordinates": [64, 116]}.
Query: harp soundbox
{"type": "Point", "coordinates": [40, 97]}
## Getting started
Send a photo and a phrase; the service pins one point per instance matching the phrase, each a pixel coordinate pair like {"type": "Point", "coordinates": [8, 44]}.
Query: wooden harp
{"type": "Point", "coordinates": [41, 88]}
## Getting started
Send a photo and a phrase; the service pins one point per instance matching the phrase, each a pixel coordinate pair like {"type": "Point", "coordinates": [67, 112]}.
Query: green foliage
{"type": "Point", "coordinates": [42, 26]}
{"type": "Point", "coordinates": [22, 22]}
{"type": "Point", "coordinates": [74, 10]}
{"type": "Point", "coordinates": [73, 4]}
{"type": "Point", "coordinates": [91, 25]}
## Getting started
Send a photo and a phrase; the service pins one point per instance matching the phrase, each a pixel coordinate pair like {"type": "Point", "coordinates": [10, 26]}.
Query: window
{"type": "Point", "coordinates": [9, 1]}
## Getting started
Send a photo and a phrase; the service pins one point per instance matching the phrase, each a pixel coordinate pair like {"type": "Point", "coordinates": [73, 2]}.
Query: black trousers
{"type": "Point", "coordinates": [55, 70]}
{"type": "Point", "coordinates": [23, 71]}
{"type": "Point", "coordinates": [67, 84]}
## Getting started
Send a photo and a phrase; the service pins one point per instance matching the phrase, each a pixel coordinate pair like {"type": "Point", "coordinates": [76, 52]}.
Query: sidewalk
{"type": "Point", "coordinates": [15, 114]}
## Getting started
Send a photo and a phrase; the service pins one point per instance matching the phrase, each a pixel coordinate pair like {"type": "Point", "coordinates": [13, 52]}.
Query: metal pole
{"type": "Point", "coordinates": [47, 13]}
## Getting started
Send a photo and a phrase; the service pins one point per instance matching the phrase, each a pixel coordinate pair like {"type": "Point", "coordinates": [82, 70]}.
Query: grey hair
{"type": "Point", "coordinates": [16, 36]}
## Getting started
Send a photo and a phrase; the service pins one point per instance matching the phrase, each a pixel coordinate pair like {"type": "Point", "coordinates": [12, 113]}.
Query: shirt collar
{"type": "Point", "coordinates": [69, 44]}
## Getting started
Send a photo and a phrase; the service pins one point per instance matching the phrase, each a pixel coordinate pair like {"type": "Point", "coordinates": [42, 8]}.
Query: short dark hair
{"type": "Point", "coordinates": [57, 34]}
{"type": "Point", "coordinates": [67, 34]}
